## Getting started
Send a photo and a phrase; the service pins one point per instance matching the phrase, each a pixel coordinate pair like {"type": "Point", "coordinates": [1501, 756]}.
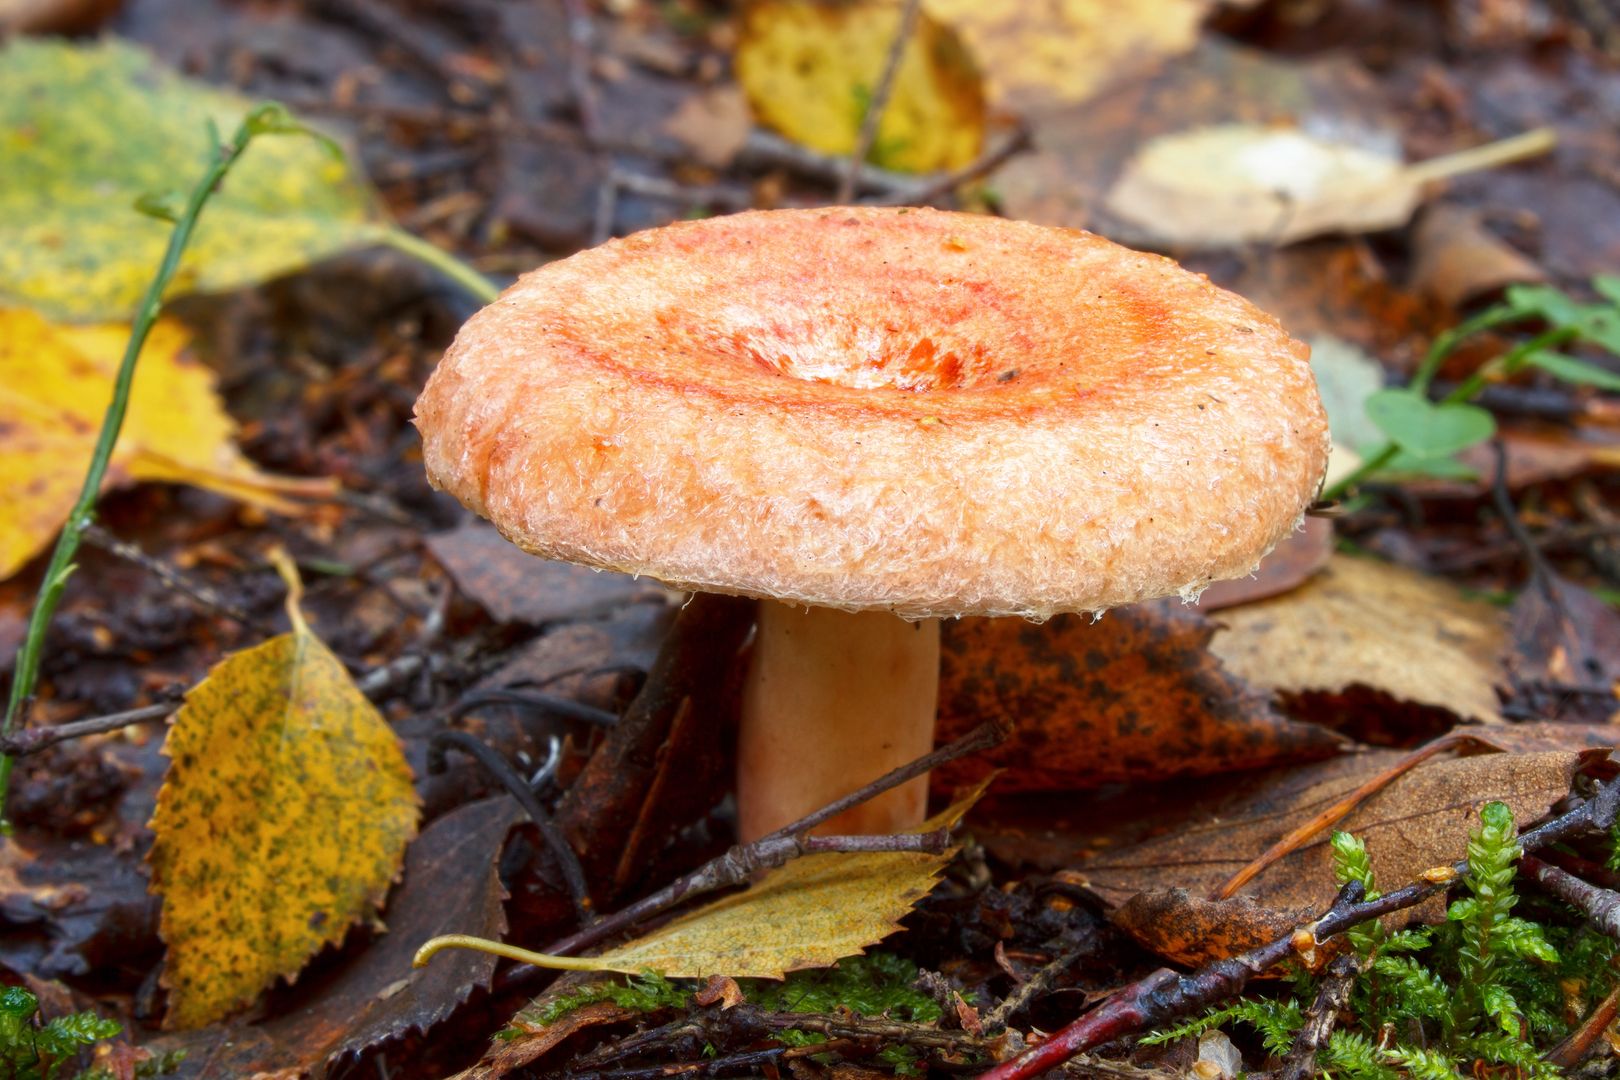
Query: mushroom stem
{"type": "Point", "coordinates": [834, 700]}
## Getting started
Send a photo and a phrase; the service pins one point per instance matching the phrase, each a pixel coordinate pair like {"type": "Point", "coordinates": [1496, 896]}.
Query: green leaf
{"type": "Point", "coordinates": [1425, 429]}
{"type": "Point", "coordinates": [1547, 302]}
{"type": "Point", "coordinates": [1575, 371]}
{"type": "Point", "coordinates": [86, 130]}
{"type": "Point", "coordinates": [1608, 287]}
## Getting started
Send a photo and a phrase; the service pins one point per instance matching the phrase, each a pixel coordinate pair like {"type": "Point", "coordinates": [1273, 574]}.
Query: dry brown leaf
{"type": "Point", "coordinates": [713, 124]}
{"type": "Point", "coordinates": [1568, 650]}
{"type": "Point", "coordinates": [1455, 259]}
{"type": "Point", "coordinates": [1370, 624]}
{"type": "Point", "coordinates": [1065, 52]}
{"type": "Point", "coordinates": [1290, 564]}
{"type": "Point", "coordinates": [1136, 695]}
{"type": "Point", "coordinates": [1420, 820]}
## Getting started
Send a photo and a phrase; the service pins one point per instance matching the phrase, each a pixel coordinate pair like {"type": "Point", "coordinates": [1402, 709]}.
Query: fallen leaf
{"type": "Point", "coordinates": [1567, 655]}
{"type": "Point", "coordinates": [1065, 52]}
{"type": "Point", "coordinates": [514, 586]}
{"type": "Point", "coordinates": [55, 384]}
{"type": "Point", "coordinates": [1235, 184]}
{"type": "Point", "coordinates": [1291, 563]}
{"type": "Point", "coordinates": [1455, 259]}
{"type": "Point", "coordinates": [1136, 695]}
{"type": "Point", "coordinates": [808, 913]}
{"type": "Point", "coordinates": [810, 68]}
{"type": "Point", "coordinates": [1420, 820]}
{"type": "Point", "coordinates": [283, 819]}
{"type": "Point", "coordinates": [536, 1037]}
{"type": "Point", "coordinates": [1370, 624]}
{"type": "Point", "coordinates": [53, 16]}
{"type": "Point", "coordinates": [1228, 185]}
{"type": "Point", "coordinates": [713, 124]}
{"type": "Point", "coordinates": [1082, 149]}
{"type": "Point", "coordinates": [451, 884]}
{"type": "Point", "coordinates": [85, 130]}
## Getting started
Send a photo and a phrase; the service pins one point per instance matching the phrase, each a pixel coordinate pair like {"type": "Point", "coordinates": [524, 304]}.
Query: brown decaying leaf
{"type": "Point", "coordinates": [1456, 259]}
{"type": "Point", "coordinates": [539, 1037]}
{"type": "Point", "coordinates": [1136, 695]}
{"type": "Point", "coordinates": [1290, 564]}
{"type": "Point", "coordinates": [1366, 623]}
{"type": "Point", "coordinates": [451, 885]}
{"type": "Point", "coordinates": [713, 124]}
{"type": "Point", "coordinates": [1419, 821]}
{"type": "Point", "coordinates": [514, 586]}
{"type": "Point", "coordinates": [1568, 649]}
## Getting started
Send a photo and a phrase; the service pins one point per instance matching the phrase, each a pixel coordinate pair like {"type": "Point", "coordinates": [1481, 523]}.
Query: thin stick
{"type": "Point", "coordinates": [33, 740]}
{"type": "Point", "coordinates": [1601, 906]}
{"type": "Point", "coordinates": [740, 863]}
{"type": "Point", "coordinates": [1026, 991]}
{"type": "Point", "coordinates": [772, 855]}
{"type": "Point", "coordinates": [264, 119]}
{"type": "Point", "coordinates": [498, 767]}
{"type": "Point", "coordinates": [1322, 1018]}
{"type": "Point", "coordinates": [879, 101]}
{"type": "Point", "coordinates": [174, 578]}
{"type": "Point", "coordinates": [1165, 995]}
{"type": "Point", "coordinates": [931, 189]}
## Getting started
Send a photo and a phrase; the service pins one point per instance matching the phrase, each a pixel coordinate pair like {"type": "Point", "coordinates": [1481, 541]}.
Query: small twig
{"type": "Point", "coordinates": [1321, 1018]}
{"type": "Point", "coordinates": [928, 189]}
{"type": "Point", "coordinates": [1601, 906]}
{"type": "Point", "coordinates": [498, 767]}
{"type": "Point", "coordinates": [1039, 983]}
{"type": "Point", "coordinates": [878, 102]}
{"type": "Point", "coordinates": [549, 704]}
{"type": "Point", "coordinates": [174, 578]}
{"type": "Point", "coordinates": [1578, 1043]}
{"type": "Point", "coordinates": [740, 863]}
{"type": "Point", "coordinates": [33, 740]}
{"type": "Point", "coordinates": [1165, 995]}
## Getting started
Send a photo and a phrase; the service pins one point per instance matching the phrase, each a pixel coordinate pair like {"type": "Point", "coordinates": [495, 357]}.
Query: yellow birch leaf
{"type": "Point", "coordinates": [283, 819]}
{"type": "Point", "coordinates": [807, 913]}
{"type": "Point", "coordinates": [1062, 52]}
{"type": "Point", "coordinates": [810, 67]}
{"type": "Point", "coordinates": [85, 130]}
{"type": "Point", "coordinates": [55, 384]}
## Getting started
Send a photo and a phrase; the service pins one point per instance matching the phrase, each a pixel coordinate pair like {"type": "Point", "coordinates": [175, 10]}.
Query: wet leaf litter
{"type": "Point", "coordinates": [1160, 749]}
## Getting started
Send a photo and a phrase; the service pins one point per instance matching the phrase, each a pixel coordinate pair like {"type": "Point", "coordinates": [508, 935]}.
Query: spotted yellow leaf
{"type": "Point", "coordinates": [55, 384]}
{"type": "Point", "coordinates": [810, 68]}
{"type": "Point", "coordinates": [283, 819]}
{"type": "Point", "coordinates": [86, 130]}
{"type": "Point", "coordinates": [807, 913]}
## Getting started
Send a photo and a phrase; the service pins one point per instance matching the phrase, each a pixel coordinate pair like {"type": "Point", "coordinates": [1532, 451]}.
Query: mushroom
{"type": "Point", "coordinates": [871, 419]}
